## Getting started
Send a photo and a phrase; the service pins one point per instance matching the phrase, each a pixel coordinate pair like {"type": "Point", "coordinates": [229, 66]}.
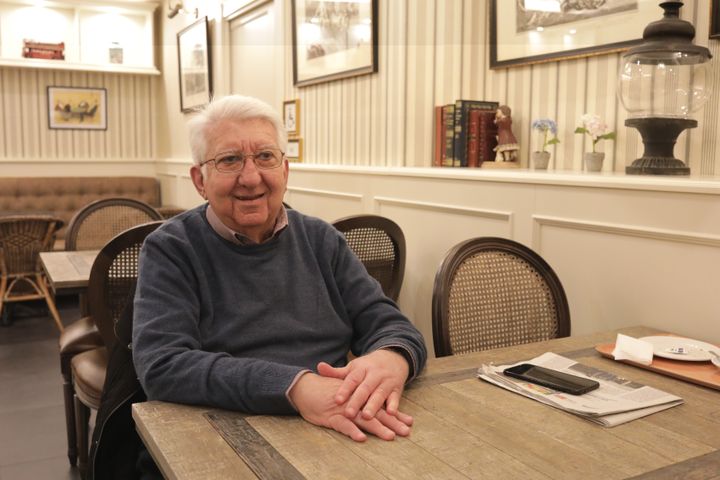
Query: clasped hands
{"type": "Point", "coordinates": [361, 397]}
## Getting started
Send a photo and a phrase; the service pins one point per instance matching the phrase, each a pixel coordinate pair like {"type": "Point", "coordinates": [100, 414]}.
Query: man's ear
{"type": "Point", "coordinates": [198, 180]}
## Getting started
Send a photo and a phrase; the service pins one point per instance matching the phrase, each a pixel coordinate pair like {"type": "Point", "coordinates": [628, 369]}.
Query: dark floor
{"type": "Point", "coordinates": [33, 445]}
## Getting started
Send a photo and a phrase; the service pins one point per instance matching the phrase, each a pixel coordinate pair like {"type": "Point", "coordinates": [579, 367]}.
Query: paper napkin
{"type": "Point", "coordinates": [629, 348]}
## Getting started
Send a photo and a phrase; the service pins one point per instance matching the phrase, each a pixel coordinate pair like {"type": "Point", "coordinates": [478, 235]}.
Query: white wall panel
{"type": "Point", "coordinates": [629, 250]}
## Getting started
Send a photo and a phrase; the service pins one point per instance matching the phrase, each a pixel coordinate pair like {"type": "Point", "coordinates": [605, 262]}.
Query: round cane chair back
{"type": "Point", "coordinates": [494, 292]}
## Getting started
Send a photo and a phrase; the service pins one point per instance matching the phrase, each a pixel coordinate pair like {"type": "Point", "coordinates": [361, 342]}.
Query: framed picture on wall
{"type": "Point", "coordinates": [74, 108]}
{"type": "Point", "coordinates": [715, 19]}
{"type": "Point", "coordinates": [294, 150]}
{"type": "Point", "coordinates": [194, 66]}
{"type": "Point", "coordinates": [291, 116]}
{"type": "Point", "coordinates": [520, 36]}
{"type": "Point", "coordinates": [333, 40]}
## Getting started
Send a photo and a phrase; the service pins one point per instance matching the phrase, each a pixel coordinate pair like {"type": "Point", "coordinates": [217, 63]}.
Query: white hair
{"type": "Point", "coordinates": [231, 107]}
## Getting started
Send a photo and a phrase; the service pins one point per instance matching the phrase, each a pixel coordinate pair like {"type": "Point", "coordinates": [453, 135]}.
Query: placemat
{"type": "Point", "coordinates": [701, 373]}
{"type": "Point", "coordinates": [262, 458]}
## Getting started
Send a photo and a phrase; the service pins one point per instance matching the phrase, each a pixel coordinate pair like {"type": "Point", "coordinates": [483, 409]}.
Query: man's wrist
{"type": "Point", "coordinates": [406, 355]}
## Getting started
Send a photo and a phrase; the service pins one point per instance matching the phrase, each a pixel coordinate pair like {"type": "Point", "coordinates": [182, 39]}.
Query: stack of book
{"type": "Point", "coordinates": [465, 133]}
{"type": "Point", "coordinates": [51, 51]}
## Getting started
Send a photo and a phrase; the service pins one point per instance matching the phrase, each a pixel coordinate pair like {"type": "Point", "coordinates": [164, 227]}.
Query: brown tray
{"type": "Point", "coordinates": [701, 373]}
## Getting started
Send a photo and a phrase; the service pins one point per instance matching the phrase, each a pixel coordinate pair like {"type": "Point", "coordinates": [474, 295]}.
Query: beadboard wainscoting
{"type": "Point", "coordinates": [433, 52]}
{"type": "Point", "coordinates": [629, 250]}
{"type": "Point", "coordinates": [24, 134]}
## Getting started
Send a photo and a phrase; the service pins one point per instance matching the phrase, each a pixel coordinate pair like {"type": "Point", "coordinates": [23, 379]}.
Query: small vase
{"type": "Point", "coordinates": [540, 160]}
{"type": "Point", "coordinates": [593, 161]}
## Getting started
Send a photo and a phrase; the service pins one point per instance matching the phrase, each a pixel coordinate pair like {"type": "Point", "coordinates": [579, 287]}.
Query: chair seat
{"type": "Point", "coordinates": [89, 369]}
{"type": "Point", "coordinates": [79, 336]}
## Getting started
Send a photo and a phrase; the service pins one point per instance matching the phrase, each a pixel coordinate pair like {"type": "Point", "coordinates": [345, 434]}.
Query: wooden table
{"type": "Point", "coordinates": [464, 428]}
{"type": "Point", "coordinates": [68, 271]}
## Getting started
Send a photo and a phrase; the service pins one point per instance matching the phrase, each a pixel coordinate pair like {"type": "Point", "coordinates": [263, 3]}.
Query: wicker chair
{"type": "Point", "coordinates": [112, 281]}
{"type": "Point", "coordinates": [22, 238]}
{"type": "Point", "coordinates": [90, 229]}
{"type": "Point", "coordinates": [379, 243]}
{"type": "Point", "coordinates": [494, 292]}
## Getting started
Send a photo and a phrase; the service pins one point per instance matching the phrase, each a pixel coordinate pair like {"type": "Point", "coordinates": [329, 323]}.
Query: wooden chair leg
{"type": "Point", "coordinates": [50, 302]}
{"type": "Point", "coordinates": [69, 397]}
{"type": "Point", "coordinates": [82, 418]}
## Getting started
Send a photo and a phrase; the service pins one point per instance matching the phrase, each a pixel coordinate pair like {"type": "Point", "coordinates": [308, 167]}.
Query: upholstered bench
{"type": "Point", "coordinates": [63, 196]}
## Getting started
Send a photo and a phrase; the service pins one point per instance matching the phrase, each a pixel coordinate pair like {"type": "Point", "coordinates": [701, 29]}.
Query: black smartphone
{"type": "Point", "coordinates": [560, 381]}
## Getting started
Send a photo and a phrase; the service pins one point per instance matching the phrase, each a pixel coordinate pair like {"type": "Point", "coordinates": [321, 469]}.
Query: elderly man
{"type": "Point", "coordinates": [243, 304]}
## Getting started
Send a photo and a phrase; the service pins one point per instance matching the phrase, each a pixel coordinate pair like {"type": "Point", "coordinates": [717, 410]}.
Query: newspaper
{"type": "Point", "coordinates": [617, 400]}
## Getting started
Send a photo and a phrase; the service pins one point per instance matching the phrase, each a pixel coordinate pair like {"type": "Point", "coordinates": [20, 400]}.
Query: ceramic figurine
{"type": "Point", "coordinates": [507, 148]}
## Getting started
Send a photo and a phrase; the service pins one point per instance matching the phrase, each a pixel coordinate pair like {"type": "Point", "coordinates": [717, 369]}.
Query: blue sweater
{"type": "Point", "coordinates": [230, 326]}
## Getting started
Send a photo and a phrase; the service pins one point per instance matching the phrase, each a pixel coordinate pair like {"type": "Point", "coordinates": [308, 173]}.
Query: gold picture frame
{"type": "Point", "coordinates": [294, 150]}
{"type": "Point", "coordinates": [291, 116]}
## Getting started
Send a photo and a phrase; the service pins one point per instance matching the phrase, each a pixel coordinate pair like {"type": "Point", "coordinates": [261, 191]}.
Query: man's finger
{"type": "Point", "coordinates": [347, 427]}
{"type": "Point", "coordinates": [360, 396]}
{"type": "Point", "coordinates": [404, 418]}
{"type": "Point", "coordinates": [375, 402]}
{"type": "Point", "coordinates": [393, 423]}
{"type": "Point", "coordinates": [393, 402]}
{"type": "Point", "coordinates": [327, 370]}
{"type": "Point", "coordinates": [349, 387]}
{"type": "Point", "coordinates": [375, 427]}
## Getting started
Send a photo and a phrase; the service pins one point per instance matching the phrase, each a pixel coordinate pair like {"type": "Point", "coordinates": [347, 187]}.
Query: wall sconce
{"type": "Point", "coordinates": [662, 82]}
{"type": "Point", "coordinates": [178, 7]}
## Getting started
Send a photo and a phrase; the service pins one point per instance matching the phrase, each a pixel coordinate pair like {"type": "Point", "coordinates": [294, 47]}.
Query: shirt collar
{"type": "Point", "coordinates": [238, 238]}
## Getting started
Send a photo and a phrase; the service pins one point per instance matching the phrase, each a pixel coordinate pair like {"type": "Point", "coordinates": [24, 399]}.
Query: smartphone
{"type": "Point", "coordinates": [560, 381]}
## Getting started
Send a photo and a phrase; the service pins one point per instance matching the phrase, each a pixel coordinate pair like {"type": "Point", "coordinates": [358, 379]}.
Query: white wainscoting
{"type": "Point", "coordinates": [628, 249]}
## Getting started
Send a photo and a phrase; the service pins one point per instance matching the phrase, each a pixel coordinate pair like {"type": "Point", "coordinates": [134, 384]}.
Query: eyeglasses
{"type": "Point", "coordinates": [233, 162]}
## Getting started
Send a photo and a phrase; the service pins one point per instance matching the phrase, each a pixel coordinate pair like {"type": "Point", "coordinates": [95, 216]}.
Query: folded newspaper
{"type": "Point", "coordinates": [617, 401]}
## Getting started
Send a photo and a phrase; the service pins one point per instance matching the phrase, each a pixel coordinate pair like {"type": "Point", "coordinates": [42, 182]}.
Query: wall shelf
{"type": "Point", "coordinates": [88, 29]}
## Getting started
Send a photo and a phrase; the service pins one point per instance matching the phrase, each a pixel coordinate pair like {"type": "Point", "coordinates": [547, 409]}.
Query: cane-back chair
{"type": "Point", "coordinates": [90, 229]}
{"type": "Point", "coordinates": [494, 292]}
{"type": "Point", "coordinates": [379, 243]}
{"type": "Point", "coordinates": [112, 281]}
{"type": "Point", "coordinates": [22, 238]}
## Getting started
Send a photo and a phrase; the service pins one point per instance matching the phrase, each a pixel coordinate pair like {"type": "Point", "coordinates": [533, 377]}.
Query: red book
{"type": "Point", "coordinates": [439, 137]}
{"type": "Point", "coordinates": [473, 139]}
{"type": "Point", "coordinates": [487, 138]}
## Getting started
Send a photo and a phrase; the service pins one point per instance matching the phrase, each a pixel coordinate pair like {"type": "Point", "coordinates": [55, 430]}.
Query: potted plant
{"type": "Point", "coordinates": [597, 129]}
{"type": "Point", "coordinates": [546, 127]}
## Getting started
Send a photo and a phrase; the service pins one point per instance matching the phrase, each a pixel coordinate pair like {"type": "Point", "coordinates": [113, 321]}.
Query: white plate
{"type": "Point", "coordinates": [697, 350]}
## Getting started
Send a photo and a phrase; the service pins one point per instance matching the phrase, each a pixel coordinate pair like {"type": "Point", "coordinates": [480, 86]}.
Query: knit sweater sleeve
{"type": "Point", "coordinates": [168, 352]}
{"type": "Point", "coordinates": [377, 321]}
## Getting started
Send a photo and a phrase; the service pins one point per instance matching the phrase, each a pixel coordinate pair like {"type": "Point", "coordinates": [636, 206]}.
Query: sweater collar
{"type": "Point", "coordinates": [238, 238]}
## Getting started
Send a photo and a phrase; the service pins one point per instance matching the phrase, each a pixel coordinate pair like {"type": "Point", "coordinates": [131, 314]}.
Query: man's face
{"type": "Point", "coordinates": [250, 200]}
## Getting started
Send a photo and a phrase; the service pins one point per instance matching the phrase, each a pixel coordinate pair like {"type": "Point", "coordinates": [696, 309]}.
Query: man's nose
{"type": "Point", "coordinates": [249, 172]}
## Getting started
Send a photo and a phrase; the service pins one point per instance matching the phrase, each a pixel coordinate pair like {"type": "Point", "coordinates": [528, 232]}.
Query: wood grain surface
{"type": "Point", "coordinates": [464, 428]}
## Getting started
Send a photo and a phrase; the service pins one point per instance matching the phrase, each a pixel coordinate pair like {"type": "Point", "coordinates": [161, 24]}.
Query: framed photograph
{"type": "Point", "coordinates": [194, 66]}
{"type": "Point", "coordinates": [333, 40]}
{"type": "Point", "coordinates": [291, 116]}
{"type": "Point", "coordinates": [715, 19]}
{"type": "Point", "coordinates": [74, 108]}
{"type": "Point", "coordinates": [294, 150]}
{"type": "Point", "coordinates": [555, 30]}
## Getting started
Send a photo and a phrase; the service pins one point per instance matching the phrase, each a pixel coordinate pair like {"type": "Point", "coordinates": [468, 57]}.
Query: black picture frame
{"type": "Point", "coordinates": [328, 47]}
{"type": "Point", "coordinates": [529, 39]}
{"type": "Point", "coordinates": [194, 73]}
{"type": "Point", "coordinates": [715, 19]}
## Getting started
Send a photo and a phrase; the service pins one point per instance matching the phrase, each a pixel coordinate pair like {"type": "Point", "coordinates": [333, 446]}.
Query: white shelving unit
{"type": "Point", "coordinates": [89, 30]}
